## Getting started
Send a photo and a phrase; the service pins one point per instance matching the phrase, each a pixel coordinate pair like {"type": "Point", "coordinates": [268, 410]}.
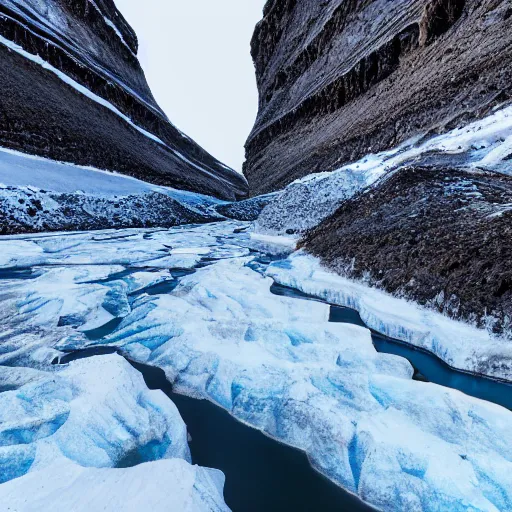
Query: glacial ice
{"type": "Point", "coordinates": [63, 430]}
{"type": "Point", "coordinates": [95, 412]}
{"type": "Point", "coordinates": [457, 343]}
{"type": "Point", "coordinates": [159, 486]}
{"type": "Point", "coordinates": [274, 362]}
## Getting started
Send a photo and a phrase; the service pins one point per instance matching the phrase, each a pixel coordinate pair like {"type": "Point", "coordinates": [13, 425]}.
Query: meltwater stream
{"type": "Point", "coordinates": [262, 474]}
{"type": "Point", "coordinates": [427, 366]}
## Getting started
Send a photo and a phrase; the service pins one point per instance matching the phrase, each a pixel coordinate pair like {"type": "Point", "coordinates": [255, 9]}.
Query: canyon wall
{"type": "Point", "coordinates": [72, 90]}
{"type": "Point", "coordinates": [340, 79]}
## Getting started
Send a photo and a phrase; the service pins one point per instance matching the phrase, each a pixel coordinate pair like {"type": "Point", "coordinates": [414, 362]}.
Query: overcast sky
{"type": "Point", "coordinates": [196, 57]}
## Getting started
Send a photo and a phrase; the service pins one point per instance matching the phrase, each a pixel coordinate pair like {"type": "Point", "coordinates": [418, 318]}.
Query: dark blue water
{"type": "Point", "coordinates": [84, 354]}
{"type": "Point", "coordinates": [428, 367]}
{"type": "Point", "coordinates": [116, 276]}
{"type": "Point", "coordinates": [158, 289]}
{"type": "Point", "coordinates": [103, 331]}
{"type": "Point", "coordinates": [262, 475]}
{"type": "Point", "coordinates": [22, 274]}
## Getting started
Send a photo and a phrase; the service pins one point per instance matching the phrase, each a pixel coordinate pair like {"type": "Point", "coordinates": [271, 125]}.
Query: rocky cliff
{"type": "Point", "coordinates": [72, 90]}
{"type": "Point", "coordinates": [339, 79]}
{"type": "Point", "coordinates": [406, 107]}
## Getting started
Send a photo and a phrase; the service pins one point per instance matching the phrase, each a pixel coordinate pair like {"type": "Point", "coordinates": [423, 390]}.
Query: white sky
{"type": "Point", "coordinates": [196, 57]}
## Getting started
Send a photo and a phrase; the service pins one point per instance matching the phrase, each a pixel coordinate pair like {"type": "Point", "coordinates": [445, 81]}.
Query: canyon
{"type": "Point", "coordinates": [341, 79]}
{"type": "Point", "coordinates": [331, 330]}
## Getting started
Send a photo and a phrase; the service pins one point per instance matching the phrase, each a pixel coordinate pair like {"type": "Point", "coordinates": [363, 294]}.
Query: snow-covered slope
{"type": "Point", "coordinates": [302, 205]}
{"type": "Point", "coordinates": [38, 194]}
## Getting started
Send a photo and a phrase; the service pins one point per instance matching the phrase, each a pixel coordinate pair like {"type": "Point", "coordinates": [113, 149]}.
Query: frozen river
{"type": "Point", "coordinates": [199, 304]}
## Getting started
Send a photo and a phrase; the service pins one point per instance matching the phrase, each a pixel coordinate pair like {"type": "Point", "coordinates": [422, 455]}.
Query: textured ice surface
{"type": "Point", "coordinates": [274, 362]}
{"type": "Point", "coordinates": [485, 144]}
{"type": "Point", "coordinates": [24, 170]}
{"type": "Point", "coordinates": [182, 246]}
{"type": "Point", "coordinates": [305, 203]}
{"type": "Point", "coordinates": [161, 486]}
{"type": "Point", "coordinates": [457, 343]}
{"type": "Point", "coordinates": [84, 281]}
{"type": "Point", "coordinates": [96, 412]}
{"type": "Point", "coordinates": [277, 364]}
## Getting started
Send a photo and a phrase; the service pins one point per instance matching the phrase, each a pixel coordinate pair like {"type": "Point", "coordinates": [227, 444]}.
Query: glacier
{"type": "Point", "coordinates": [62, 433]}
{"type": "Point", "coordinates": [275, 363]}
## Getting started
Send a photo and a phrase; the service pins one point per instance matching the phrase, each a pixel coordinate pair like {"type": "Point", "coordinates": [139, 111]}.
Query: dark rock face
{"type": "Point", "coordinates": [25, 211]}
{"type": "Point", "coordinates": [248, 210]}
{"type": "Point", "coordinates": [343, 78]}
{"type": "Point", "coordinates": [46, 111]}
{"type": "Point", "coordinates": [440, 237]}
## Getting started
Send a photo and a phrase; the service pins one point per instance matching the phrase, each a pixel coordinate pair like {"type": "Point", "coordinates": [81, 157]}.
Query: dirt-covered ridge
{"type": "Point", "coordinates": [441, 237]}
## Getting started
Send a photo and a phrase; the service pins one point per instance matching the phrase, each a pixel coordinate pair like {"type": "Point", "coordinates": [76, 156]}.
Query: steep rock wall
{"type": "Point", "coordinates": [342, 78]}
{"type": "Point", "coordinates": [72, 89]}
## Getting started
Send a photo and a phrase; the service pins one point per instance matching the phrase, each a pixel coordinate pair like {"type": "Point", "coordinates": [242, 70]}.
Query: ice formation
{"type": "Point", "coordinates": [96, 412]}
{"type": "Point", "coordinates": [160, 486]}
{"type": "Point", "coordinates": [457, 343]}
{"type": "Point", "coordinates": [273, 362]}
{"type": "Point", "coordinates": [63, 431]}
